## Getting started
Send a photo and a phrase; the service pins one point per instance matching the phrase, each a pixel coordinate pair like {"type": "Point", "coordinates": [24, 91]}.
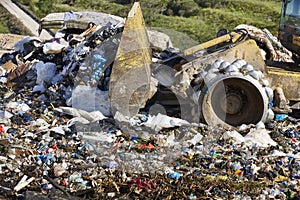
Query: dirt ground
{"type": "Point", "coordinates": [7, 42]}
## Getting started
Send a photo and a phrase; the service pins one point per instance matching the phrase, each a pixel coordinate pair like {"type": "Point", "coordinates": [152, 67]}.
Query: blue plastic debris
{"type": "Point", "coordinates": [280, 117]}
{"type": "Point", "coordinates": [43, 148]}
{"type": "Point", "coordinates": [46, 188]}
{"type": "Point", "coordinates": [75, 178]}
{"type": "Point", "coordinates": [143, 118]}
{"type": "Point", "coordinates": [76, 155]}
{"type": "Point", "coordinates": [44, 106]}
{"type": "Point", "coordinates": [185, 150]}
{"type": "Point", "coordinates": [46, 158]}
{"type": "Point", "coordinates": [279, 162]}
{"type": "Point", "coordinates": [133, 138]}
{"type": "Point", "coordinates": [291, 160]}
{"type": "Point", "coordinates": [291, 133]}
{"type": "Point", "coordinates": [221, 143]}
{"type": "Point", "coordinates": [111, 165]}
{"type": "Point", "coordinates": [271, 103]}
{"type": "Point", "coordinates": [98, 65]}
{"type": "Point", "coordinates": [27, 118]}
{"type": "Point", "coordinates": [237, 165]}
{"type": "Point", "coordinates": [175, 175]}
{"type": "Point", "coordinates": [85, 146]}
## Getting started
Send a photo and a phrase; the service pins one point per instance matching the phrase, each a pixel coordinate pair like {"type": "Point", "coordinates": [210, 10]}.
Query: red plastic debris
{"type": "Point", "coordinates": [143, 184]}
{"type": "Point", "coordinates": [144, 146]}
{"type": "Point", "coordinates": [64, 182]}
{"type": "Point", "coordinates": [1, 129]}
{"type": "Point", "coordinates": [116, 145]}
{"type": "Point", "coordinates": [55, 147]}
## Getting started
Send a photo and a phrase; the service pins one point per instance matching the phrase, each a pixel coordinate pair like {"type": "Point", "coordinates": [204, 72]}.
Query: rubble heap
{"type": "Point", "coordinates": [50, 150]}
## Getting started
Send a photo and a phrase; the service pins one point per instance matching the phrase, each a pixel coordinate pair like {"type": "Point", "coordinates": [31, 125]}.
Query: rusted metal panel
{"type": "Point", "coordinates": [131, 75]}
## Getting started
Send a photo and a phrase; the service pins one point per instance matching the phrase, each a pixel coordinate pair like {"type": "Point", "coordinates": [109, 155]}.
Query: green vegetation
{"type": "Point", "coordinates": [199, 19]}
{"type": "Point", "coordinates": [10, 24]}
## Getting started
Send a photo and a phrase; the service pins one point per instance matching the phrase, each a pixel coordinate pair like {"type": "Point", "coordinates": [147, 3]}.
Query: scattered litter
{"type": "Point", "coordinates": [160, 121]}
{"type": "Point", "coordinates": [58, 138]}
{"type": "Point", "coordinates": [23, 183]}
{"type": "Point", "coordinates": [234, 136]}
{"type": "Point", "coordinates": [260, 137]}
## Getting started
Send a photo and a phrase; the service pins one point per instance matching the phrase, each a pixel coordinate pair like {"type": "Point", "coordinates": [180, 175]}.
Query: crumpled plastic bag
{"type": "Point", "coordinates": [160, 121]}
{"type": "Point", "coordinates": [84, 116]}
{"type": "Point", "coordinates": [45, 72]}
{"type": "Point", "coordinates": [54, 47]}
{"type": "Point", "coordinates": [91, 99]}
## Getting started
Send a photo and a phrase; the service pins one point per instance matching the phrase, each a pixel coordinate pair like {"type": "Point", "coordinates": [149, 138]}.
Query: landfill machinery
{"type": "Point", "coordinates": [237, 78]}
{"type": "Point", "coordinates": [289, 31]}
{"type": "Point", "coordinates": [225, 81]}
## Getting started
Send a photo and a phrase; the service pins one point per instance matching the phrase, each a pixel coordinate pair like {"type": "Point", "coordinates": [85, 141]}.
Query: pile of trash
{"type": "Point", "coordinates": [58, 139]}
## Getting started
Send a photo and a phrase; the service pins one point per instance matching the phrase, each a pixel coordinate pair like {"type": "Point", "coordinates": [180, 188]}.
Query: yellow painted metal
{"type": "Point", "coordinates": [247, 50]}
{"type": "Point", "coordinates": [230, 37]}
{"type": "Point", "coordinates": [131, 75]}
{"type": "Point", "coordinates": [288, 80]}
{"type": "Point", "coordinates": [282, 77]}
{"type": "Point", "coordinates": [134, 50]}
{"type": "Point", "coordinates": [296, 40]}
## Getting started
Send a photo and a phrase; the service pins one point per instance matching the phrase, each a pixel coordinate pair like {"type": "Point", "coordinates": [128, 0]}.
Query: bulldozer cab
{"type": "Point", "coordinates": [290, 8]}
{"type": "Point", "coordinates": [289, 27]}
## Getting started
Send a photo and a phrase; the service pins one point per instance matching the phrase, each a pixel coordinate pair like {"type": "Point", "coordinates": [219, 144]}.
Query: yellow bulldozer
{"type": "Point", "coordinates": [225, 81]}
{"type": "Point", "coordinates": [237, 78]}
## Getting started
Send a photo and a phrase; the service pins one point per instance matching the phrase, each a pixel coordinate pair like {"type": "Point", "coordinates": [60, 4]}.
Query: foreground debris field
{"type": "Point", "coordinates": [59, 140]}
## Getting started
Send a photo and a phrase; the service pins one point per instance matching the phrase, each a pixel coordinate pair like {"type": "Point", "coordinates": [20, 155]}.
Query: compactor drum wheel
{"type": "Point", "coordinates": [234, 96]}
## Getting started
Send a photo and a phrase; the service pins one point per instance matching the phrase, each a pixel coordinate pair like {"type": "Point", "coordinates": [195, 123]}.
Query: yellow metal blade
{"type": "Point", "coordinates": [131, 74]}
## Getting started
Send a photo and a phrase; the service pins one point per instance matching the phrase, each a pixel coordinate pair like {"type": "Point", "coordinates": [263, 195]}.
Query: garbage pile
{"type": "Point", "coordinates": [58, 139]}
